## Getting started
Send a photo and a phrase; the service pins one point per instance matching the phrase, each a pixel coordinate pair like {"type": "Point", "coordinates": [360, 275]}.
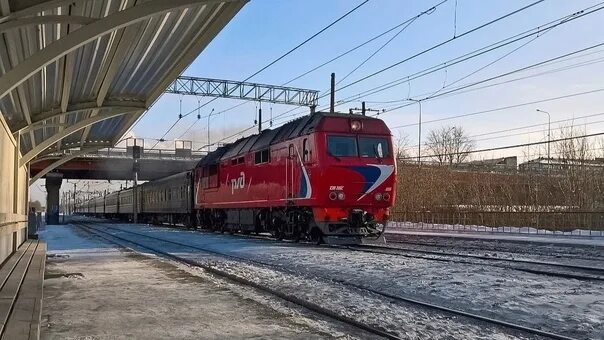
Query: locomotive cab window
{"type": "Point", "coordinates": [262, 156]}
{"type": "Point", "coordinates": [373, 147]}
{"type": "Point", "coordinates": [342, 146]}
{"type": "Point", "coordinates": [305, 150]}
{"type": "Point", "coordinates": [209, 176]}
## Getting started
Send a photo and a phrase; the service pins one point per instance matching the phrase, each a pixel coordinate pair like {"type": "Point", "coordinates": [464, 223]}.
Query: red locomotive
{"type": "Point", "coordinates": [320, 175]}
{"type": "Point", "coordinates": [323, 175]}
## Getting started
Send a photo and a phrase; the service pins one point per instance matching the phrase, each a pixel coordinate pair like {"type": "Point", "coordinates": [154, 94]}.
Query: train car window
{"type": "Point", "coordinates": [371, 147]}
{"type": "Point", "coordinates": [342, 146]}
{"type": "Point", "coordinates": [240, 160]}
{"type": "Point", "coordinates": [305, 150]}
{"type": "Point", "coordinates": [262, 156]}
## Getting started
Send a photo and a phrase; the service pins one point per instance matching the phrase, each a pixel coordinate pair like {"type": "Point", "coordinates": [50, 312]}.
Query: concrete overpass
{"type": "Point", "coordinates": [76, 74]}
{"type": "Point", "coordinates": [116, 164]}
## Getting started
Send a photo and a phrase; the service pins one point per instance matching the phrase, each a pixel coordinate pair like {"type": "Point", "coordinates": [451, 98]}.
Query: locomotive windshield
{"type": "Point", "coordinates": [373, 147]}
{"type": "Point", "coordinates": [342, 146]}
{"type": "Point", "coordinates": [350, 146]}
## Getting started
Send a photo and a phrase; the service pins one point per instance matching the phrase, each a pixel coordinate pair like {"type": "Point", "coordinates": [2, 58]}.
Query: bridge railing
{"type": "Point", "coordinates": [147, 154]}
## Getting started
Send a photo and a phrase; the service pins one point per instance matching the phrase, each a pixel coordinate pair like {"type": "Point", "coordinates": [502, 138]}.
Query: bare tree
{"type": "Point", "coordinates": [401, 146]}
{"type": "Point", "coordinates": [575, 148]}
{"type": "Point", "coordinates": [449, 145]}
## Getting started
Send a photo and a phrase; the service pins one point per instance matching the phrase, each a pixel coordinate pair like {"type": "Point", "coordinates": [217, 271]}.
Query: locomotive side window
{"type": "Point", "coordinates": [373, 147]}
{"type": "Point", "coordinates": [342, 146]}
{"type": "Point", "coordinates": [305, 150]}
{"type": "Point", "coordinates": [209, 177]}
{"type": "Point", "coordinates": [262, 156]}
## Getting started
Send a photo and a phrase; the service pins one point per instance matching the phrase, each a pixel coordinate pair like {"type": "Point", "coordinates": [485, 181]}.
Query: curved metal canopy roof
{"type": "Point", "coordinates": [76, 74]}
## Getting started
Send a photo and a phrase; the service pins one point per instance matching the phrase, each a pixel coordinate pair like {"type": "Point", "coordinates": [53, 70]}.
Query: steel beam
{"type": "Point", "coordinates": [243, 90]}
{"type": "Point", "coordinates": [86, 34]}
{"type": "Point", "coordinates": [66, 132]}
{"type": "Point", "coordinates": [45, 19]}
{"type": "Point", "coordinates": [39, 121]}
{"type": "Point", "coordinates": [205, 36]}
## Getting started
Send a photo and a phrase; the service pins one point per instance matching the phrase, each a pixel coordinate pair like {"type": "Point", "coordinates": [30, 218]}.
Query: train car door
{"type": "Point", "coordinates": [290, 164]}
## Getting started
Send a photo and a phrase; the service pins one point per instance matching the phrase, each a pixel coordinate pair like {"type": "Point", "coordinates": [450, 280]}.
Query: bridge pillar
{"type": "Point", "coordinates": [53, 184]}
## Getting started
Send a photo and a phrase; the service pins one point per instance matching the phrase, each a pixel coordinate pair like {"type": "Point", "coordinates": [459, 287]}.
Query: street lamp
{"type": "Point", "coordinates": [549, 134]}
{"type": "Point", "coordinates": [419, 138]}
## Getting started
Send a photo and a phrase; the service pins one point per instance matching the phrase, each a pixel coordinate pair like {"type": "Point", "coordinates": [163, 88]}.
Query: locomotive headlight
{"type": "Point", "coordinates": [333, 195]}
{"type": "Point", "coordinates": [355, 125]}
{"type": "Point", "coordinates": [341, 196]}
{"type": "Point", "coordinates": [386, 196]}
{"type": "Point", "coordinates": [378, 197]}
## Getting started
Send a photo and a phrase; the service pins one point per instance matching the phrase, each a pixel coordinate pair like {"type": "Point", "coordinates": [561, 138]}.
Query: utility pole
{"type": "Point", "coordinates": [549, 134]}
{"type": "Point", "coordinates": [260, 118]}
{"type": "Point", "coordinates": [419, 132]}
{"type": "Point", "coordinates": [210, 115]}
{"type": "Point", "coordinates": [136, 154]}
{"type": "Point", "coordinates": [74, 196]}
{"type": "Point", "coordinates": [332, 99]}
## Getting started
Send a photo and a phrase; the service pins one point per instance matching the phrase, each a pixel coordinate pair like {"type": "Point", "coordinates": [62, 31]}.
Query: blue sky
{"type": "Point", "coordinates": [265, 29]}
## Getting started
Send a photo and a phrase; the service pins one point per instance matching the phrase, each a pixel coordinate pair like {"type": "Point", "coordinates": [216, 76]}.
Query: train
{"type": "Point", "coordinates": [325, 176]}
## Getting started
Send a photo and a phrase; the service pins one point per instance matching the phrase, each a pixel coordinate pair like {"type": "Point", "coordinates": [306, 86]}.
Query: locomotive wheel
{"type": "Point", "coordinates": [316, 237]}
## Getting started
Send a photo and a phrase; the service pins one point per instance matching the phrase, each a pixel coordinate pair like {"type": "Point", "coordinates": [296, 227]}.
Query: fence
{"type": "Point", "coordinates": [584, 223]}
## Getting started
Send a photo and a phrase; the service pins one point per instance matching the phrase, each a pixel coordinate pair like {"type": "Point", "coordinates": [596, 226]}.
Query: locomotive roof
{"type": "Point", "coordinates": [297, 127]}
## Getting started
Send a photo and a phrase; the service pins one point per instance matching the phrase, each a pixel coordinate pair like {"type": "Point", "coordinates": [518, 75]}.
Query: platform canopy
{"type": "Point", "coordinates": [76, 74]}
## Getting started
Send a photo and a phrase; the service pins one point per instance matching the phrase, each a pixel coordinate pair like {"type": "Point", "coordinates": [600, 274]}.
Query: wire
{"type": "Point", "coordinates": [506, 147]}
{"type": "Point", "coordinates": [531, 32]}
{"type": "Point", "coordinates": [306, 41]}
{"type": "Point", "coordinates": [470, 55]}
{"type": "Point", "coordinates": [274, 61]}
{"type": "Point", "coordinates": [411, 21]}
{"type": "Point", "coordinates": [467, 56]}
{"type": "Point", "coordinates": [411, 147]}
{"type": "Point", "coordinates": [442, 43]}
{"type": "Point", "coordinates": [503, 108]}
{"type": "Point", "coordinates": [360, 45]}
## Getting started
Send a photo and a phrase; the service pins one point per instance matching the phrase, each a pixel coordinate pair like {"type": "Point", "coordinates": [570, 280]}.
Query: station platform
{"type": "Point", "coordinates": [597, 241]}
{"type": "Point", "coordinates": [95, 290]}
{"type": "Point", "coordinates": [21, 282]}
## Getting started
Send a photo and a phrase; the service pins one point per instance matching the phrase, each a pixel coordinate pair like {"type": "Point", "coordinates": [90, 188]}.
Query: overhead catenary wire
{"type": "Point", "coordinates": [429, 10]}
{"type": "Point", "coordinates": [475, 53]}
{"type": "Point", "coordinates": [503, 108]}
{"type": "Point", "coordinates": [275, 61]}
{"type": "Point", "coordinates": [496, 132]}
{"type": "Point", "coordinates": [475, 29]}
{"type": "Point", "coordinates": [438, 45]}
{"type": "Point", "coordinates": [498, 148]}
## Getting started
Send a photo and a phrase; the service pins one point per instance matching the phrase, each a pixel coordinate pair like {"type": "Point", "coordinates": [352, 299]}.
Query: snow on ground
{"type": "Point", "coordinates": [586, 241]}
{"type": "Point", "coordinates": [94, 291]}
{"type": "Point", "coordinates": [503, 230]}
{"type": "Point", "coordinates": [571, 307]}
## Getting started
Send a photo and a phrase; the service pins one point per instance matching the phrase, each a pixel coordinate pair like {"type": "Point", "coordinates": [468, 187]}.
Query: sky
{"type": "Point", "coordinates": [265, 29]}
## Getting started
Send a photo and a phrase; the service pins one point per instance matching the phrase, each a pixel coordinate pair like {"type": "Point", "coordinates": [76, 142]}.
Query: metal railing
{"type": "Point", "coordinates": [145, 154]}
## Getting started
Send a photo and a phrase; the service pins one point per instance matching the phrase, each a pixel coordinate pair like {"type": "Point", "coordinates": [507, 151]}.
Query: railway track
{"type": "Point", "coordinates": [534, 267]}
{"type": "Point", "coordinates": [490, 247]}
{"type": "Point", "coordinates": [309, 305]}
{"type": "Point", "coordinates": [292, 299]}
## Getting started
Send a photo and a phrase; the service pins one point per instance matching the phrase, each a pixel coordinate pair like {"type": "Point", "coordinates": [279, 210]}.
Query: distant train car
{"type": "Point", "coordinates": [168, 200]}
